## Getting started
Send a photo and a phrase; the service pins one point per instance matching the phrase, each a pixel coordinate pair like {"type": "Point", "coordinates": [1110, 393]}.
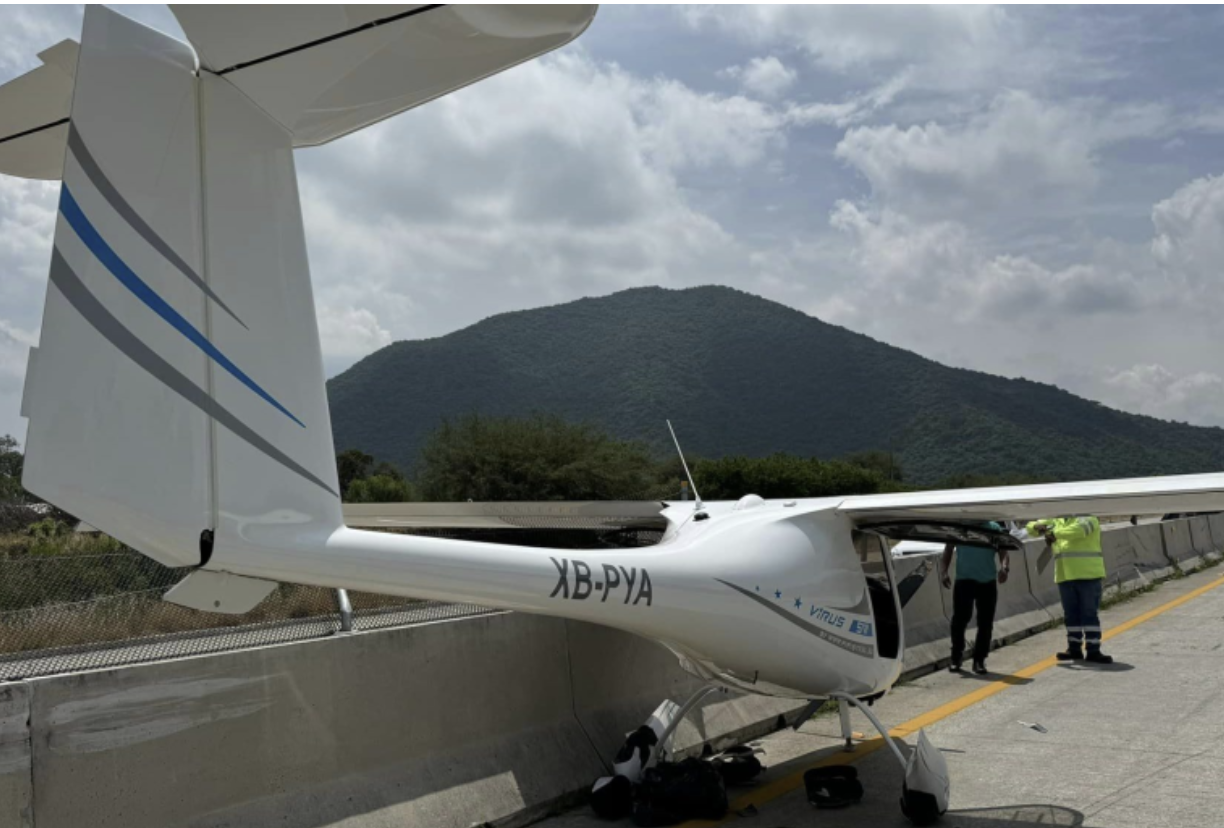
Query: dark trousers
{"type": "Point", "coordinates": [1081, 601]}
{"type": "Point", "coordinates": [965, 595]}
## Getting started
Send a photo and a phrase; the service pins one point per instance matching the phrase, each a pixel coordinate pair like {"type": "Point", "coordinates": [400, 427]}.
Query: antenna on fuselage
{"type": "Point", "coordinates": [687, 473]}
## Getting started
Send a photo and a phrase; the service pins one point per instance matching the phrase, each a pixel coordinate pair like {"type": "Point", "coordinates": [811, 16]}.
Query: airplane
{"type": "Point", "coordinates": [176, 399]}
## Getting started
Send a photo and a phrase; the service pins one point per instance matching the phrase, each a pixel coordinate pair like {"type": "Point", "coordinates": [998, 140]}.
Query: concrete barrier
{"type": "Point", "coordinates": [16, 795]}
{"type": "Point", "coordinates": [425, 725]}
{"type": "Point", "coordinates": [619, 679]}
{"type": "Point", "coordinates": [1178, 545]}
{"type": "Point", "coordinates": [1216, 522]}
{"type": "Point", "coordinates": [1039, 564]}
{"type": "Point", "coordinates": [927, 638]}
{"type": "Point", "coordinates": [1134, 556]}
{"type": "Point", "coordinates": [1200, 537]}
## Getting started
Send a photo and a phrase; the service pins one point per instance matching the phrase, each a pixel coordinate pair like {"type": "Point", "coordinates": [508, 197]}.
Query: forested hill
{"type": "Point", "coordinates": [738, 374]}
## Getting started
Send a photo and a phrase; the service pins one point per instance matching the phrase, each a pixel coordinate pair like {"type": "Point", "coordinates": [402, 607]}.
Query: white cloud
{"type": "Point", "coordinates": [1020, 152]}
{"type": "Point", "coordinates": [766, 77]}
{"type": "Point", "coordinates": [854, 109]}
{"type": "Point", "coordinates": [15, 346]}
{"type": "Point", "coordinates": [1156, 391]}
{"type": "Point", "coordinates": [1189, 241]}
{"type": "Point", "coordinates": [349, 333]}
{"type": "Point", "coordinates": [842, 38]}
{"type": "Point", "coordinates": [555, 180]}
{"type": "Point", "coordinates": [940, 270]}
{"type": "Point", "coordinates": [27, 220]}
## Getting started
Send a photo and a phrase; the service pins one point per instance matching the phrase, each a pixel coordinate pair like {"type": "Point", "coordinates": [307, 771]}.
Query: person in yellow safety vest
{"type": "Point", "coordinates": [1079, 571]}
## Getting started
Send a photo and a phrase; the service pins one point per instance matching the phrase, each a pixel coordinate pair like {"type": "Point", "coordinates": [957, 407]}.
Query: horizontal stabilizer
{"type": "Point", "coordinates": [34, 116]}
{"type": "Point", "coordinates": [219, 592]}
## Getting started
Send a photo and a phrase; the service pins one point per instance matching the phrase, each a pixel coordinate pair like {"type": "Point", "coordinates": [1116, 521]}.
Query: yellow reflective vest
{"type": "Point", "coordinates": [1077, 548]}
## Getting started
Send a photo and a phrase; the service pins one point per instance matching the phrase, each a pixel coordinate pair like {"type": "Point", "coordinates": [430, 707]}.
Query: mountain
{"type": "Point", "coordinates": [738, 374]}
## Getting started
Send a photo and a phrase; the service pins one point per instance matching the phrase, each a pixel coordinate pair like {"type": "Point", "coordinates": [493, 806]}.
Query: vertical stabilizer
{"type": "Point", "coordinates": [114, 436]}
{"type": "Point", "coordinates": [178, 386]}
{"type": "Point", "coordinates": [177, 399]}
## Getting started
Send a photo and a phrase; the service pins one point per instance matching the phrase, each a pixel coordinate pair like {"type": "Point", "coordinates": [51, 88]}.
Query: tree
{"type": "Point", "coordinates": [381, 488]}
{"type": "Point", "coordinates": [351, 465]}
{"type": "Point", "coordinates": [783, 476]}
{"type": "Point", "coordinates": [883, 463]}
{"type": "Point", "coordinates": [534, 458]}
{"type": "Point", "coordinates": [11, 464]}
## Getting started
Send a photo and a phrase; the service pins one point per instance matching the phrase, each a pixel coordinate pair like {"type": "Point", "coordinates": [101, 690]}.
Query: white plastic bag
{"type": "Point", "coordinates": [927, 786]}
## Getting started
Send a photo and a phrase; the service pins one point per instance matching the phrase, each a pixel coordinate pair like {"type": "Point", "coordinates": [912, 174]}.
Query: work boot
{"type": "Point", "coordinates": [1098, 657]}
{"type": "Point", "coordinates": [1073, 653]}
{"type": "Point", "coordinates": [979, 666]}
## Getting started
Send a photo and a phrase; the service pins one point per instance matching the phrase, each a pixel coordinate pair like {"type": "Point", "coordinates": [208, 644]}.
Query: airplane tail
{"type": "Point", "coordinates": [177, 399]}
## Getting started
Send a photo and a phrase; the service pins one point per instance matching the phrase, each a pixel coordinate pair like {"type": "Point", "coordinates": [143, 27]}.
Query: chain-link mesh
{"type": "Point", "coordinates": [82, 602]}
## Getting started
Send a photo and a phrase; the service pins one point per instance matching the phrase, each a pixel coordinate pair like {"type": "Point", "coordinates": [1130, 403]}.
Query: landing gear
{"type": "Point", "coordinates": [670, 727]}
{"type": "Point", "coordinates": [843, 713]}
{"type": "Point", "coordinates": [925, 792]}
{"type": "Point", "coordinates": [845, 702]}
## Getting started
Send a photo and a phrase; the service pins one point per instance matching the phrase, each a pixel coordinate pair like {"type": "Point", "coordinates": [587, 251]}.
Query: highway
{"type": "Point", "coordinates": [1134, 745]}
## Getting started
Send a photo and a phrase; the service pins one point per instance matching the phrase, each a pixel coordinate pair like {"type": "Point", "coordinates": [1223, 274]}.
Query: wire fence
{"type": "Point", "coordinates": [71, 602]}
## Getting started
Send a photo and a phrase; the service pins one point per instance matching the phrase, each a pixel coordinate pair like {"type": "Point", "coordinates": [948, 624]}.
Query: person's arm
{"type": "Point", "coordinates": [1077, 529]}
{"type": "Point", "coordinates": [1004, 565]}
{"type": "Point", "coordinates": [1041, 529]}
{"type": "Point", "coordinates": [945, 564]}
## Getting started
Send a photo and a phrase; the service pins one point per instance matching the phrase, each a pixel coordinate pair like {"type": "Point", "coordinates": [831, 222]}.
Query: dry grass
{"type": "Point", "coordinates": [69, 590]}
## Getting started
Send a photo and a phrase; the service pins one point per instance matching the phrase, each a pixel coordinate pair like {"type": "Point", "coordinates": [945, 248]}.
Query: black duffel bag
{"type": "Point", "coordinates": [673, 793]}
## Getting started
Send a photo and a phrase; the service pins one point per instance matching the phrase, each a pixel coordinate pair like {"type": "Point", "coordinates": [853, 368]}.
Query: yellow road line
{"type": "Point", "coordinates": [784, 785]}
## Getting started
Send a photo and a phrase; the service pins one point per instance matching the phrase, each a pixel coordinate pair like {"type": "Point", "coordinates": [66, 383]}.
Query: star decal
{"type": "Point", "coordinates": [798, 603]}
{"type": "Point", "coordinates": [778, 595]}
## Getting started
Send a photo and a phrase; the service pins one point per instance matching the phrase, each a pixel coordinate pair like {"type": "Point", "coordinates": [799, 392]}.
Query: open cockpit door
{"type": "Point", "coordinates": [881, 590]}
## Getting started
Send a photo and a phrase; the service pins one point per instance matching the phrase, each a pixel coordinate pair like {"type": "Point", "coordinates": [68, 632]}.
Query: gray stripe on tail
{"type": "Point", "coordinates": [129, 214]}
{"type": "Point", "coordinates": [86, 304]}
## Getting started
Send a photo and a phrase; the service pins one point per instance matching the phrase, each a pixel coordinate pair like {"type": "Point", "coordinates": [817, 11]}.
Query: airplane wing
{"type": "Point", "coordinates": [34, 115]}
{"type": "Point", "coordinates": [1185, 493]}
{"type": "Point", "coordinates": [324, 71]}
{"type": "Point", "coordinates": [321, 71]}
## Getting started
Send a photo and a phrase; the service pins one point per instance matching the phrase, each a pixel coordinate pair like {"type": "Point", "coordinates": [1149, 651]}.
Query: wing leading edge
{"type": "Point", "coordinates": [327, 70]}
{"type": "Point", "coordinates": [1146, 495]}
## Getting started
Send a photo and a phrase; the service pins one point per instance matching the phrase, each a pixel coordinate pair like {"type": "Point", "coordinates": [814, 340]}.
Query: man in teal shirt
{"type": "Point", "coordinates": [977, 579]}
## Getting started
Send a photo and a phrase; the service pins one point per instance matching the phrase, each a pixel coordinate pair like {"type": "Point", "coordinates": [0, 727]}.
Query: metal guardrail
{"type": "Point", "coordinates": [76, 612]}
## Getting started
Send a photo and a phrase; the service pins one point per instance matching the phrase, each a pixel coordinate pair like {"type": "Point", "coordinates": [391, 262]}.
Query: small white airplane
{"type": "Point", "coordinates": [176, 399]}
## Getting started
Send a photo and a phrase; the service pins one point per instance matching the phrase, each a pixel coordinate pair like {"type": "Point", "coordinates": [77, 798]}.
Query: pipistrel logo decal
{"type": "Point", "coordinates": [782, 607]}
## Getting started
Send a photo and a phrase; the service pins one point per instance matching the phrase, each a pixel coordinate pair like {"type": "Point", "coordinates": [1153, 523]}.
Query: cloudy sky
{"type": "Point", "coordinates": [1030, 192]}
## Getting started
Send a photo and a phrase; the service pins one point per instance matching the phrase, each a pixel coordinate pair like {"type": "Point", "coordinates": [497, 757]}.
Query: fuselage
{"type": "Point", "coordinates": [770, 597]}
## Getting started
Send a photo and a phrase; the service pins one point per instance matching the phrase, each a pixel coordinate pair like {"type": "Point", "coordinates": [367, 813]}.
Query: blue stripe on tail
{"type": "Point", "coordinates": [93, 240]}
